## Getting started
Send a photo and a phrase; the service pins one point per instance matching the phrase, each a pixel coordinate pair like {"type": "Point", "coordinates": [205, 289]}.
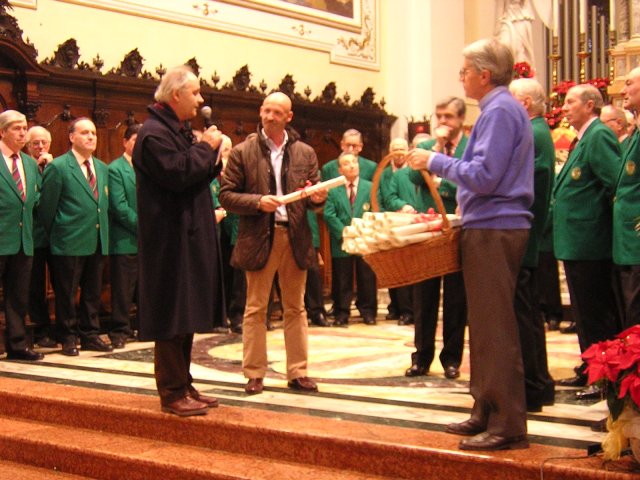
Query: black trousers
{"type": "Point", "coordinates": [549, 287]}
{"type": "Point", "coordinates": [38, 305]}
{"type": "Point", "coordinates": [593, 302]}
{"type": "Point", "coordinates": [15, 273]}
{"type": "Point", "coordinates": [629, 278]}
{"type": "Point", "coordinates": [539, 386]}
{"type": "Point", "coordinates": [313, 297]}
{"type": "Point", "coordinates": [124, 280]}
{"type": "Point", "coordinates": [238, 298]}
{"type": "Point", "coordinates": [426, 302]}
{"type": "Point", "coordinates": [401, 300]}
{"type": "Point", "coordinates": [172, 361]}
{"type": "Point", "coordinates": [71, 273]}
{"type": "Point", "coordinates": [366, 300]}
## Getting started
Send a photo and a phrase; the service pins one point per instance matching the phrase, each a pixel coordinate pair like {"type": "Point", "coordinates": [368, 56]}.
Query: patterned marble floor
{"type": "Point", "coordinates": [359, 371]}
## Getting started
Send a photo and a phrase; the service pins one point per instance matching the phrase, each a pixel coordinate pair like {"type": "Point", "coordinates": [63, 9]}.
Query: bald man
{"type": "Point", "coordinates": [616, 119]}
{"type": "Point", "coordinates": [273, 236]}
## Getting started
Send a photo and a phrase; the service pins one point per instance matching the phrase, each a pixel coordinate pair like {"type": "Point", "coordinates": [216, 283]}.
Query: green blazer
{"type": "Point", "coordinates": [338, 212]}
{"type": "Point", "coordinates": [447, 189]}
{"type": "Point", "coordinates": [123, 208]}
{"type": "Point", "coordinates": [229, 223]}
{"type": "Point", "coordinates": [582, 195]}
{"type": "Point", "coordinates": [16, 215]}
{"type": "Point", "coordinates": [73, 218]}
{"type": "Point", "coordinates": [387, 197]}
{"type": "Point", "coordinates": [312, 218]}
{"type": "Point", "coordinates": [330, 169]}
{"type": "Point", "coordinates": [626, 207]}
{"type": "Point", "coordinates": [402, 191]}
{"type": "Point", "coordinates": [544, 162]}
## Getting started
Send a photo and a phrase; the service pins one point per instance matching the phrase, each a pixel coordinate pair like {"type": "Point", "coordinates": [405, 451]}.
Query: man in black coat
{"type": "Point", "coordinates": [180, 283]}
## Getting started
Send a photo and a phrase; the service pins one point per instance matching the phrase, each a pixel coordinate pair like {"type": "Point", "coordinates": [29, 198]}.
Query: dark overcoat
{"type": "Point", "coordinates": [180, 283]}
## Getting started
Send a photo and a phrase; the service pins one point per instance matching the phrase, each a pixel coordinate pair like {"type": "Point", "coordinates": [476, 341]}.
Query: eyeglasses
{"type": "Point", "coordinates": [463, 72]}
{"type": "Point", "coordinates": [39, 142]}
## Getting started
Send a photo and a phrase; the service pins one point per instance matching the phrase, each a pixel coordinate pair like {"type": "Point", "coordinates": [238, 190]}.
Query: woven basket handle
{"type": "Point", "coordinates": [428, 180]}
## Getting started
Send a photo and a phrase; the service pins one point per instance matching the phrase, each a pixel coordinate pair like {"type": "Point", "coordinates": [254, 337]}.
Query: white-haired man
{"type": "Point", "coordinates": [180, 271]}
{"type": "Point", "coordinates": [18, 196]}
{"type": "Point", "coordinates": [38, 145]}
{"type": "Point", "coordinates": [495, 190]}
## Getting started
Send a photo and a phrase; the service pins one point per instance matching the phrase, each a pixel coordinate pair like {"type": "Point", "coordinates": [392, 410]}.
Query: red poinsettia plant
{"type": "Point", "coordinates": [615, 365]}
{"type": "Point", "coordinates": [522, 70]}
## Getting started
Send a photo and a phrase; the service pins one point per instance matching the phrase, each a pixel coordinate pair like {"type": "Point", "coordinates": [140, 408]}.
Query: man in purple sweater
{"type": "Point", "coordinates": [495, 191]}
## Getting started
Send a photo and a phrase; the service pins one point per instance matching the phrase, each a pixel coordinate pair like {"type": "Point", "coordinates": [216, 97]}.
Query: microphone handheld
{"type": "Point", "coordinates": [206, 113]}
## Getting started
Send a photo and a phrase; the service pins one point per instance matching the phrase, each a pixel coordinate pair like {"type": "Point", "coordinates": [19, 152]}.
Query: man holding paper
{"type": "Point", "coordinates": [273, 236]}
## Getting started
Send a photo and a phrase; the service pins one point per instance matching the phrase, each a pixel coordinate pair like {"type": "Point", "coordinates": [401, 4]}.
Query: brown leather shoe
{"type": "Point", "coordinates": [254, 386]}
{"type": "Point", "coordinates": [488, 442]}
{"type": "Point", "coordinates": [304, 384]}
{"type": "Point", "coordinates": [468, 427]}
{"type": "Point", "coordinates": [209, 401]}
{"type": "Point", "coordinates": [185, 407]}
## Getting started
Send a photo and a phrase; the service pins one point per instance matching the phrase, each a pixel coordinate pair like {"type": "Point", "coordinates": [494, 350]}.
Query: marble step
{"type": "Point", "coordinates": [110, 456]}
{"type": "Point", "coordinates": [107, 425]}
{"type": "Point", "coordinates": [17, 471]}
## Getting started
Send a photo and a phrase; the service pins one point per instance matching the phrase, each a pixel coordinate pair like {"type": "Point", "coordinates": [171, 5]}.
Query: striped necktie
{"type": "Point", "coordinates": [352, 194]}
{"type": "Point", "coordinates": [16, 176]}
{"type": "Point", "coordinates": [91, 179]}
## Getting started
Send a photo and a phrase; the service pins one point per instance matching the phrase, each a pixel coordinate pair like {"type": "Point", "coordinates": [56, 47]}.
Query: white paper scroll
{"type": "Point", "coordinates": [305, 192]}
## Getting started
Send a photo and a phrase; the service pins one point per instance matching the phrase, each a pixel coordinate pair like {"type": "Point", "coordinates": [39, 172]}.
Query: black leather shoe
{"type": "Point", "coordinates": [487, 442]}
{"type": "Point", "coordinates": [304, 384]}
{"type": "Point", "coordinates": [534, 407]}
{"type": "Point", "coordinates": [25, 354]}
{"type": "Point", "coordinates": [451, 372]}
{"type": "Point", "coordinates": [46, 342]}
{"type": "Point", "coordinates": [553, 324]}
{"type": "Point", "coordinates": [220, 329]}
{"type": "Point", "coordinates": [468, 427]}
{"type": "Point", "coordinates": [589, 393]}
{"type": "Point", "coordinates": [236, 329]}
{"type": "Point", "coordinates": [369, 320]}
{"type": "Point", "coordinates": [577, 381]}
{"type": "Point", "coordinates": [118, 342]}
{"type": "Point", "coordinates": [331, 312]}
{"type": "Point", "coordinates": [571, 328]}
{"type": "Point", "coordinates": [319, 320]}
{"type": "Point", "coordinates": [416, 371]}
{"type": "Point", "coordinates": [69, 349]}
{"type": "Point", "coordinates": [405, 320]}
{"type": "Point", "coordinates": [392, 316]}
{"type": "Point", "coordinates": [341, 322]}
{"type": "Point", "coordinates": [95, 344]}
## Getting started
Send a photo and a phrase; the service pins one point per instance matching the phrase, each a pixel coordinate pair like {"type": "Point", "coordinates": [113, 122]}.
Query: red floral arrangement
{"type": "Point", "coordinates": [563, 87]}
{"type": "Point", "coordinates": [600, 83]}
{"type": "Point", "coordinates": [522, 70]}
{"type": "Point", "coordinates": [615, 364]}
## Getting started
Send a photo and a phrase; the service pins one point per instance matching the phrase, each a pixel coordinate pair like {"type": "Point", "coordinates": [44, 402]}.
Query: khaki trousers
{"type": "Point", "coordinates": [254, 330]}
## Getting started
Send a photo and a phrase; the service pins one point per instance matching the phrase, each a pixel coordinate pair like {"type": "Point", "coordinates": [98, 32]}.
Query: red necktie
{"type": "Point", "coordinates": [91, 179]}
{"type": "Point", "coordinates": [352, 193]}
{"type": "Point", "coordinates": [16, 176]}
{"type": "Point", "coordinates": [448, 149]}
{"type": "Point", "coordinates": [573, 144]}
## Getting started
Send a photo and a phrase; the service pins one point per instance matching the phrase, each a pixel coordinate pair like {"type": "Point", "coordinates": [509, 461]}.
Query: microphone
{"type": "Point", "coordinates": [206, 112]}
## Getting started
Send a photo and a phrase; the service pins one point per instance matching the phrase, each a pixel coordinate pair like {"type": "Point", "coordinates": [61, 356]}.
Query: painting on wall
{"type": "Point", "coordinates": [348, 30]}
{"type": "Point", "coordinates": [342, 13]}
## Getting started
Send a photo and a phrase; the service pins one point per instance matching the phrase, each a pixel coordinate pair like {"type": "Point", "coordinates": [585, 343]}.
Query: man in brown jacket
{"type": "Point", "coordinates": [273, 237]}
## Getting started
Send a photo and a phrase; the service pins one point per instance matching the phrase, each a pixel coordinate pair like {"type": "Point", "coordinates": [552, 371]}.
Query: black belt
{"type": "Point", "coordinates": [282, 224]}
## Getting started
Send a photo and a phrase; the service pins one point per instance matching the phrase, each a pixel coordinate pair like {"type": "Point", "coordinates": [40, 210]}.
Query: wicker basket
{"type": "Point", "coordinates": [432, 258]}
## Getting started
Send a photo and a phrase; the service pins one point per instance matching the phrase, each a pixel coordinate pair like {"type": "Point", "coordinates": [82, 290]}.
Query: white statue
{"type": "Point", "coordinates": [514, 28]}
